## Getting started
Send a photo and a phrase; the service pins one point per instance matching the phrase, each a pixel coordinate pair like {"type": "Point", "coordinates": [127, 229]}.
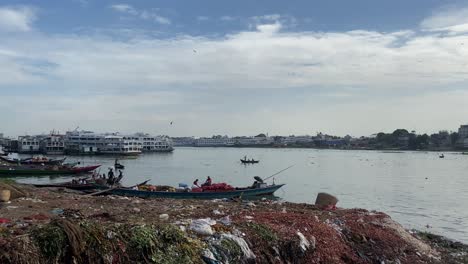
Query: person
{"type": "Point", "coordinates": [110, 176]}
{"type": "Point", "coordinates": [119, 177]}
{"type": "Point", "coordinates": [195, 184]}
{"type": "Point", "coordinates": [207, 182]}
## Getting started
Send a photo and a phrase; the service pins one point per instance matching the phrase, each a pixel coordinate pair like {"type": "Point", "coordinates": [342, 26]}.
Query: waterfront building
{"type": "Point", "coordinates": [463, 132]}
{"type": "Point", "coordinates": [29, 144]}
{"type": "Point", "coordinates": [183, 141]}
{"type": "Point", "coordinates": [121, 145]}
{"type": "Point", "coordinates": [53, 144]}
{"type": "Point", "coordinates": [216, 141]}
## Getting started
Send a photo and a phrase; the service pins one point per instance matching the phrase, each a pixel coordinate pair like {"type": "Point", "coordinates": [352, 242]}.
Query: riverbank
{"type": "Point", "coordinates": [59, 226]}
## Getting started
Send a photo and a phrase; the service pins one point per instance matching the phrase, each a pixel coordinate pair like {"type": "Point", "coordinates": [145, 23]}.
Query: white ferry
{"type": "Point", "coordinates": [155, 143]}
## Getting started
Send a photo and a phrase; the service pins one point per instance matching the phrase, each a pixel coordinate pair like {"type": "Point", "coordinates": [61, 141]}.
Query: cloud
{"type": "Point", "coordinates": [124, 8]}
{"type": "Point", "coordinates": [151, 14]}
{"type": "Point", "coordinates": [227, 18]}
{"type": "Point", "coordinates": [447, 19]}
{"type": "Point", "coordinates": [202, 18]}
{"type": "Point", "coordinates": [18, 18]}
{"type": "Point", "coordinates": [332, 79]}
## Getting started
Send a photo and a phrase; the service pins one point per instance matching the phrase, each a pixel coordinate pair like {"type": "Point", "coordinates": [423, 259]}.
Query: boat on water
{"type": "Point", "coordinates": [247, 161]}
{"type": "Point", "coordinates": [34, 160]}
{"type": "Point", "coordinates": [207, 194]}
{"type": "Point", "coordinates": [73, 186]}
{"type": "Point", "coordinates": [441, 156]}
{"type": "Point", "coordinates": [34, 170]}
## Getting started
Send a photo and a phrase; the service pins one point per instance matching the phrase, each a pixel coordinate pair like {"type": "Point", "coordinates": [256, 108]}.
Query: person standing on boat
{"type": "Point", "coordinates": [207, 182]}
{"type": "Point", "coordinates": [110, 176]}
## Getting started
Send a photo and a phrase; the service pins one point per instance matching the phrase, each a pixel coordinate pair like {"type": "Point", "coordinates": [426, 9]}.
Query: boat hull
{"type": "Point", "coordinates": [18, 171]}
{"type": "Point", "coordinates": [269, 190]}
{"type": "Point", "coordinates": [249, 161]}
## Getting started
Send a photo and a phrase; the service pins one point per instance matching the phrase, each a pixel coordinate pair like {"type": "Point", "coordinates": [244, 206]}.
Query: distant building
{"type": "Point", "coordinates": [183, 141]}
{"type": "Point", "coordinates": [29, 144]}
{"type": "Point", "coordinates": [53, 144]}
{"type": "Point", "coordinates": [216, 141]}
{"type": "Point", "coordinates": [463, 132]}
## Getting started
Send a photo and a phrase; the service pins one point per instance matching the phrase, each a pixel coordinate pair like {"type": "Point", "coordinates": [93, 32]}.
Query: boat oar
{"type": "Point", "coordinates": [278, 172]}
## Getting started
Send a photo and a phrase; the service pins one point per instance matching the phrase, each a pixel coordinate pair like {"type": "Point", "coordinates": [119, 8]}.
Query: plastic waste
{"type": "Point", "coordinates": [225, 220]}
{"type": "Point", "coordinates": [203, 226]}
{"type": "Point", "coordinates": [248, 253]}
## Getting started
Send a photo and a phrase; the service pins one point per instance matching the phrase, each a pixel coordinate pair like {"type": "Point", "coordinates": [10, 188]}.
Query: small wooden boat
{"type": "Point", "coordinates": [238, 192]}
{"type": "Point", "coordinates": [244, 161]}
{"type": "Point", "coordinates": [72, 186]}
{"type": "Point", "coordinates": [118, 166]}
{"type": "Point", "coordinates": [38, 161]}
{"type": "Point", "coordinates": [44, 170]}
{"type": "Point", "coordinates": [441, 156]}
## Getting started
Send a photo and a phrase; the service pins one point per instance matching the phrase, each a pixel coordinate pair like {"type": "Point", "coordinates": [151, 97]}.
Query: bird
{"type": "Point", "coordinates": [171, 122]}
{"type": "Point", "coordinates": [194, 51]}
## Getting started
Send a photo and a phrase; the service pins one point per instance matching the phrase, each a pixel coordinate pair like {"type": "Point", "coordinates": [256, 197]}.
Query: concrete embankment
{"type": "Point", "coordinates": [59, 226]}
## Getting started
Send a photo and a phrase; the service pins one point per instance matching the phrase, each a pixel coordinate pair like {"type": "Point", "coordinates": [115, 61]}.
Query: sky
{"type": "Point", "coordinates": [233, 67]}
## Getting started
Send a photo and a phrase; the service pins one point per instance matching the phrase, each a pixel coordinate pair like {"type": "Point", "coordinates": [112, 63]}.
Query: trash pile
{"type": "Point", "coordinates": [54, 226]}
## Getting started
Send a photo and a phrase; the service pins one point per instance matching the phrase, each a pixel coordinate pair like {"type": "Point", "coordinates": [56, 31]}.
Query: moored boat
{"type": "Point", "coordinates": [44, 170]}
{"type": "Point", "coordinates": [34, 160]}
{"type": "Point", "coordinates": [237, 192]}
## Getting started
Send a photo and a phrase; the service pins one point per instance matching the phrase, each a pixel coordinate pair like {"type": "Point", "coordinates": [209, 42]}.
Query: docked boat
{"type": "Point", "coordinates": [207, 194]}
{"type": "Point", "coordinates": [247, 161]}
{"type": "Point", "coordinates": [72, 186]}
{"type": "Point", "coordinates": [33, 160]}
{"type": "Point", "coordinates": [44, 170]}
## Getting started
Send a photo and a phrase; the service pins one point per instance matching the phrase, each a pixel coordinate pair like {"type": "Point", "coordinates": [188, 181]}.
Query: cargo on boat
{"type": "Point", "coordinates": [199, 194]}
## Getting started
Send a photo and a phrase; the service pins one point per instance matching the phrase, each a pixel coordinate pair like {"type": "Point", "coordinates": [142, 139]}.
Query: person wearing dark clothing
{"type": "Point", "coordinates": [207, 182]}
{"type": "Point", "coordinates": [110, 177]}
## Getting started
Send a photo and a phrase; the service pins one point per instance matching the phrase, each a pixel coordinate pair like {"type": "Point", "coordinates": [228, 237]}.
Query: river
{"type": "Point", "coordinates": [418, 189]}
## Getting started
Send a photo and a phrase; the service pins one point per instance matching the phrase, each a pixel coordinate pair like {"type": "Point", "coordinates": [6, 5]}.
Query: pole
{"type": "Point", "coordinates": [278, 172]}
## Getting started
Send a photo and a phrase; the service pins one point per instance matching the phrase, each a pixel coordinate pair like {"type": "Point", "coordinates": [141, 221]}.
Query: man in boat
{"type": "Point", "coordinates": [195, 184]}
{"type": "Point", "coordinates": [119, 177]}
{"type": "Point", "coordinates": [207, 182]}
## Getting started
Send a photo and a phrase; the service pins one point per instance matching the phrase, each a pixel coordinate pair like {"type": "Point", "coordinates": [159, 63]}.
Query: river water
{"type": "Point", "coordinates": [418, 189]}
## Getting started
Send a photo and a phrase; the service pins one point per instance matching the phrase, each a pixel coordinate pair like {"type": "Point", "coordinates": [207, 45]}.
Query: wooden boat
{"type": "Point", "coordinates": [441, 156]}
{"type": "Point", "coordinates": [38, 161]}
{"type": "Point", "coordinates": [249, 161]}
{"type": "Point", "coordinates": [44, 170]}
{"type": "Point", "coordinates": [73, 186]}
{"type": "Point", "coordinates": [238, 192]}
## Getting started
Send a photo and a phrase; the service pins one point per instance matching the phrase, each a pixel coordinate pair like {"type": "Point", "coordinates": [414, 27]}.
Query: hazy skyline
{"type": "Point", "coordinates": [235, 68]}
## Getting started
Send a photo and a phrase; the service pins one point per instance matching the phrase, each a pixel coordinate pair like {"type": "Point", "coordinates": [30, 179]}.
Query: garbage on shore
{"type": "Point", "coordinates": [69, 228]}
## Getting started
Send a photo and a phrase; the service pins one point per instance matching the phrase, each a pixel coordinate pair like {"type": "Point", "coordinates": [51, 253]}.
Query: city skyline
{"type": "Point", "coordinates": [231, 68]}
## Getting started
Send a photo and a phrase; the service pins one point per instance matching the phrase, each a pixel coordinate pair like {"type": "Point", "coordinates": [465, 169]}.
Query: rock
{"type": "Point", "coordinates": [136, 210]}
{"type": "Point", "coordinates": [164, 217]}
{"type": "Point", "coordinates": [326, 201]}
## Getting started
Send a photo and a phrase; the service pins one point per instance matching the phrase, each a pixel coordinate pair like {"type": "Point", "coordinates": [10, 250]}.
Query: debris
{"type": "Point", "coordinates": [164, 217]}
{"type": "Point", "coordinates": [225, 220]}
{"type": "Point", "coordinates": [242, 244]}
{"type": "Point", "coordinates": [203, 226]}
{"type": "Point", "coordinates": [303, 243]}
{"type": "Point", "coordinates": [136, 209]}
{"type": "Point", "coordinates": [326, 201]}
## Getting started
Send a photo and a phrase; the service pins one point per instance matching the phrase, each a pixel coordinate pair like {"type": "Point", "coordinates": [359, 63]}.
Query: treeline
{"type": "Point", "coordinates": [403, 139]}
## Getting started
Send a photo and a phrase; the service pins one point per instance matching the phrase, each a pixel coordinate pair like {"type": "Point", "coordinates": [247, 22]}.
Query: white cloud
{"type": "Point", "coordinates": [337, 77]}
{"type": "Point", "coordinates": [228, 18]}
{"type": "Point", "coordinates": [202, 18]}
{"type": "Point", "coordinates": [124, 8]}
{"type": "Point", "coordinates": [16, 18]}
{"type": "Point", "coordinates": [447, 19]}
{"type": "Point", "coordinates": [151, 14]}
